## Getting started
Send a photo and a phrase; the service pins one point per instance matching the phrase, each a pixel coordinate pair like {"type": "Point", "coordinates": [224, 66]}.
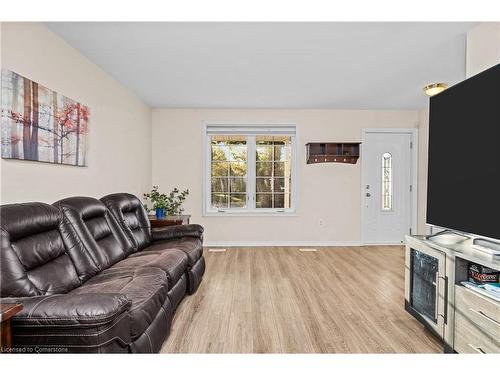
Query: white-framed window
{"type": "Point", "coordinates": [249, 169]}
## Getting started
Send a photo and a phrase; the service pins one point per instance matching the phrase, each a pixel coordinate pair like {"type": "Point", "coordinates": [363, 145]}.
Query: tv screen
{"type": "Point", "coordinates": [463, 191]}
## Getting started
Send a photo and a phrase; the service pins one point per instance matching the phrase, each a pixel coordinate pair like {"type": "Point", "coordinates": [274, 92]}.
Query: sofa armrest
{"type": "Point", "coordinates": [177, 231]}
{"type": "Point", "coordinates": [71, 323]}
{"type": "Point", "coordinates": [85, 310]}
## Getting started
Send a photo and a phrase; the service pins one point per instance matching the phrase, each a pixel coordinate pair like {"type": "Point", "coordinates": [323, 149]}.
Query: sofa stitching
{"type": "Point", "coordinates": [30, 315]}
{"type": "Point", "coordinates": [69, 334]}
{"type": "Point", "coordinates": [87, 324]}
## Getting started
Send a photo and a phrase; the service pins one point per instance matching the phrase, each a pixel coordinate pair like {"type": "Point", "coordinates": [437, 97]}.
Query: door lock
{"type": "Point", "coordinates": [368, 195]}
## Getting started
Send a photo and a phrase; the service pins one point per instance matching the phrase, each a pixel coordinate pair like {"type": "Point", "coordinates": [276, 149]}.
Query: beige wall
{"type": "Point", "coordinates": [330, 192]}
{"type": "Point", "coordinates": [119, 156]}
{"type": "Point", "coordinates": [483, 47]}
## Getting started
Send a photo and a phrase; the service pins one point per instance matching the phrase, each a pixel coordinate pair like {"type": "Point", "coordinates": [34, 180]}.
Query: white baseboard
{"type": "Point", "coordinates": [383, 244]}
{"type": "Point", "coordinates": [279, 243]}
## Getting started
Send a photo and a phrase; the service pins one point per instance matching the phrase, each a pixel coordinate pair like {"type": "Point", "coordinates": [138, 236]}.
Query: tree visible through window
{"type": "Point", "coordinates": [386, 182]}
{"type": "Point", "coordinates": [273, 171]}
{"type": "Point", "coordinates": [229, 171]}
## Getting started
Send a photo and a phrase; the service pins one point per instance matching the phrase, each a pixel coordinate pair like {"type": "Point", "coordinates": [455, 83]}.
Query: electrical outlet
{"type": "Point", "coordinates": [321, 222]}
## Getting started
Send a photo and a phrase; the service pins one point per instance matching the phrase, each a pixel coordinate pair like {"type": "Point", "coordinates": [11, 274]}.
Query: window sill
{"type": "Point", "coordinates": [250, 214]}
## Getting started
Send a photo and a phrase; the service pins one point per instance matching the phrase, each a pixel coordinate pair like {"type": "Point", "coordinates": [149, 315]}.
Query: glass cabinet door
{"type": "Point", "coordinates": [423, 290]}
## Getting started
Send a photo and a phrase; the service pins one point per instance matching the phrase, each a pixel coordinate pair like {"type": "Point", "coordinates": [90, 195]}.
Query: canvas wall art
{"type": "Point", "coordinates": [41, 125]}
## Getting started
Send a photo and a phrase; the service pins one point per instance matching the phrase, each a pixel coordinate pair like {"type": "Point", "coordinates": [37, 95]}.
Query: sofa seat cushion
{"type": "Point", "coordinates": [190, 245]}
{"type": "Point", "coordinates": [146, 288]}
{"type": "Point", "coordinates": [174, 262]}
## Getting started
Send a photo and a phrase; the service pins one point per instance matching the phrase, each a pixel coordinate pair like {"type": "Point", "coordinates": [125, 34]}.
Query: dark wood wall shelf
{"type": "Point", "coordinates": [332, 152]}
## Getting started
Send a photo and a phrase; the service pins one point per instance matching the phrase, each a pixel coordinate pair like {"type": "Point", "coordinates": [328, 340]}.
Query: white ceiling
{"type": "Point", "coordinates": [275, 65]}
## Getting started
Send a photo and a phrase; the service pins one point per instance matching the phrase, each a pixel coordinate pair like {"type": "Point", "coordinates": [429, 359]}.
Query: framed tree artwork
{"type": "Point", "coordinates": [39, 124]}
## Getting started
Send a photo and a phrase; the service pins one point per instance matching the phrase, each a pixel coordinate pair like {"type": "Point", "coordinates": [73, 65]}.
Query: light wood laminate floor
{"type": "Point", "coordinates": [280, 300]}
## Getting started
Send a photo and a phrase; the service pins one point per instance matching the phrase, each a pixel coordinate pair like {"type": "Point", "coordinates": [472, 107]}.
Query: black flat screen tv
{"type": "Point", "coordinates": [463, 191]}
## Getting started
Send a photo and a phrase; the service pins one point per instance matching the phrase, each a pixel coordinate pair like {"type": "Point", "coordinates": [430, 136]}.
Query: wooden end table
{"type": "Point", "coordinates": [169, 220]}
{"type": "Point", "coordinates": [7, 311]}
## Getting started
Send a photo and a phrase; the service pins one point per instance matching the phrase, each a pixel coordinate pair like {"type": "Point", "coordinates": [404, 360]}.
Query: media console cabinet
{"type": "Point", "coordinates": [465, 320]}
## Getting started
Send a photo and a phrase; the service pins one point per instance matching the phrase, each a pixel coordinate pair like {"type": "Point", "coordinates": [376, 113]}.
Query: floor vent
{"type": "Point", "coordinates": [307, 250]}
{"type": "Point", "coordinates": [217, 250]}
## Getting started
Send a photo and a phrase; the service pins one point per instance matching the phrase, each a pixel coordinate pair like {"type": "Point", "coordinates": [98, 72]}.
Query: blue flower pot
{"type": "Point", "coordinates": [160, 213]}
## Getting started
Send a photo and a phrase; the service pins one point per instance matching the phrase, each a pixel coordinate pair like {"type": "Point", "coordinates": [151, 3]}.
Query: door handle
{"type": "Point", "coordinates": [368, 195]}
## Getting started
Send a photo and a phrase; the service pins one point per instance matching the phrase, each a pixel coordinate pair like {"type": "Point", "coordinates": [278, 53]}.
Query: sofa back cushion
{"type": "Point", "coordinates": [34, 259]}
{"type": "Point", "coordinates": [131, 216]}
{"type": "Point", "coordinates": [103, 241]}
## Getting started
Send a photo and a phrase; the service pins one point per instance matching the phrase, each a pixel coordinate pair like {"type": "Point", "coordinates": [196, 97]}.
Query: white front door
{"type": "Point", "coordinates": [386, 190]}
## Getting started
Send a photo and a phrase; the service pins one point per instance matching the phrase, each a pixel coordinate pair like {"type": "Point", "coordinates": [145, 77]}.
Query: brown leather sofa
{"type": "Point", "coordinates": [92, 276]}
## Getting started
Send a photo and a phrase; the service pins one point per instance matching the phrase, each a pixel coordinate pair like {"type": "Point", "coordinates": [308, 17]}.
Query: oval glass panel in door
{"type": "Point", "coordinates": [386, 182]}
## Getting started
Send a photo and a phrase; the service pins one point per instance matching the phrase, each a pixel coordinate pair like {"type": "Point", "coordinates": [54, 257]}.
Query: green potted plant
{"type": "Point", "coordinates": [166, 204]}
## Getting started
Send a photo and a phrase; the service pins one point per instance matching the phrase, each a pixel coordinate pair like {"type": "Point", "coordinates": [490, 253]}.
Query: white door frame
{"type": "Point", "coordinates": [414, 173]}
